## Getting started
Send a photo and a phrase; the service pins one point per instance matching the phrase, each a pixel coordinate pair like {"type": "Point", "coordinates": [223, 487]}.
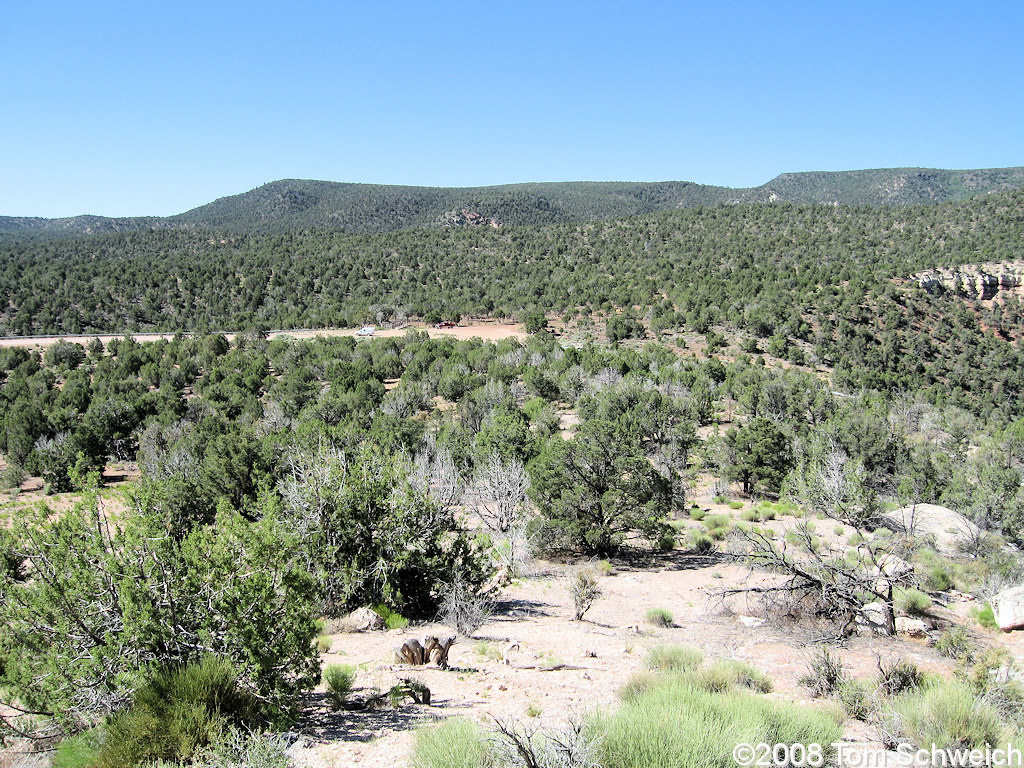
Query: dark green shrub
{"type": "Point", "coordinates": [914, 602]}
{"type": "Point", "coordinates": [956, 643]}
{"type": "Point", "coordinates": [824, 675]}
{"type": "Point", "coordinates": [177, 713]}
{"type": "Point", "coordinates": [898, 677]}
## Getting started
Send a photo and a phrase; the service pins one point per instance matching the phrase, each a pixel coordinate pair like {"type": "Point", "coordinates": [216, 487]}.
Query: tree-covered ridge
{"type": "Point", "coordinates": [292, 204]}
{"type": "Point", "coordinates": [886, 186]}
{"type": "Point", "coordinates": [824, 279]}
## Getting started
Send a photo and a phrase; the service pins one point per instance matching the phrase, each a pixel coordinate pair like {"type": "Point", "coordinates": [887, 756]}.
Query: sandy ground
{"type": "Point", "coordinates": [563, 669]}
{"type": "Point", "coordinates": [489, 331]}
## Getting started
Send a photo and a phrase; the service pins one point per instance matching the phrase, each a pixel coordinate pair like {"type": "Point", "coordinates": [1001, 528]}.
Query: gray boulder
{"type": "Point", "coordinates": [1008, 607]}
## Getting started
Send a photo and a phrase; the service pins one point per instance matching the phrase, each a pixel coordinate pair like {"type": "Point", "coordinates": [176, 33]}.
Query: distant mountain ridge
{"type": "Point", "coordinates": [296, 204]}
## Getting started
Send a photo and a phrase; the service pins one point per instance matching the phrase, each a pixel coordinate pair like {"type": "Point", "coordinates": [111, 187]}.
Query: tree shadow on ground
{"type": "Point", "coordinates": [514, 609]}
{"type": "Point", "coordinates": [676, 560]}
{"type": "Point", "coordinates": [321, 723]}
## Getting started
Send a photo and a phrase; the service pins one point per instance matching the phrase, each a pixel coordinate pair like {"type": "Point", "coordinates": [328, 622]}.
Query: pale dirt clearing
{"type": "Point", "coordinates": [563, 668]}
{"type": "Point", "coordinates": [488, 331]}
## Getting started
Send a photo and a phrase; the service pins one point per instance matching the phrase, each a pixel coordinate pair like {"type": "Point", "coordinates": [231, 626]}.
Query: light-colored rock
{"type": "Point", "coordinates": [906, 625]}
{"type": "Point", "coordinates": [973, 281]}
{"type": "Point", "coordinates": [943, 527]}
{"type": "Point", "coordinates": [750, 621]}
{"type": "Point", "coordinates": [365, 620]}
{"type": "Point", "coordinates": [891, 571]}
{"type": "Point", "coordinates": [1008, 607]}
{"type": "Point", "coordinates": [871, 619]}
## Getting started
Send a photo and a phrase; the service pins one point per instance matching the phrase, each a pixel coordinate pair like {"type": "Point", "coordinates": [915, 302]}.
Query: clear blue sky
{"type": "Point", "coordinates": [130, 108]}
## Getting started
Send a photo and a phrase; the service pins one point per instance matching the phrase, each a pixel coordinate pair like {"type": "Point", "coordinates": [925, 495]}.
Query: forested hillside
{"type": "Point", "coordinates": [292, 204]}
{"type": "Point", "coordinates": [272, 488]}
{"type": "Point", "coordinates": [829, 276]}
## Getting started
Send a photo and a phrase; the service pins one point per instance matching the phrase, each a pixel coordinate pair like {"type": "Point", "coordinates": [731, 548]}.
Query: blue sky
{"type": "Point", "coordinates": [119, 108]}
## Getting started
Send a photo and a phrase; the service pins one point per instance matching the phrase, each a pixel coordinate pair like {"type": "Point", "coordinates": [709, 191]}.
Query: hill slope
{"type": "Point", "coordinates": [296, 204]}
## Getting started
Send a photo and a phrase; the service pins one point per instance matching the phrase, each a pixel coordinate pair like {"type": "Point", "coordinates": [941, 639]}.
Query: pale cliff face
{"type": "Point", "coordinates": [975, 281]}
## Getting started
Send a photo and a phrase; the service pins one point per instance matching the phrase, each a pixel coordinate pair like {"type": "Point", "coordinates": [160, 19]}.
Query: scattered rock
{"type": "Point", "coordinates": [1008, 607]}
{"type": "Point", "coordinates": [872, 618]}
{"type": "Point", "coordinates": [911, 627]}
{"type": "Point", "coordinates": [364, 620]}
{"type": "Point", "coordinates": [750, 621]}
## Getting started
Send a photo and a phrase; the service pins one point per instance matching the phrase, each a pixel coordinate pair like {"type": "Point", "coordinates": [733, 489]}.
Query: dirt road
{"type": "Point", "coordinates": [487, 331]}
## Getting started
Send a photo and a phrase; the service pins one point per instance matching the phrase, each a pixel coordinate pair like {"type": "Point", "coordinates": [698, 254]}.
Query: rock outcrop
{"type": "Point", "coordinates": [1008, 607]}
{"type": "Point", "coordinates": [940, 527]}
{"type": "Point", "coordinates": [973, 281]}
{"type": "Point", "coordinates": [364, 620]}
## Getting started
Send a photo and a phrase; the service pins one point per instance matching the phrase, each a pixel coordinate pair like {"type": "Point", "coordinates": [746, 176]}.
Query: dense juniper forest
{"type": "Point", "coordinates": [209, 512]}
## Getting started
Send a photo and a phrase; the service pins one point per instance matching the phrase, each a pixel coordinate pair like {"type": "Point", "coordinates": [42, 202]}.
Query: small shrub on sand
{"type": "Point", "coordinates": [659, 617]}
{"type": "Point", "coordinates": [673, 658]}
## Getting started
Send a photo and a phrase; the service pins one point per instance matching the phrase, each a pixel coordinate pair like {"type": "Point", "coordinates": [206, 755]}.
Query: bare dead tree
{"type": "Point", "coordinates": [525, 746]}
{"type": "Point", "coordinates": [497, 494]}
{"type": "Point", "coordinates": [433, 471]}
{"type": "Point", "coordinates": [498, 497]}
{"type": "Point", "coordinates": [830, 583]}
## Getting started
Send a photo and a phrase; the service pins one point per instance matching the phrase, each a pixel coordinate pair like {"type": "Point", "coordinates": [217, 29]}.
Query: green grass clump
{"type": "Point", "coordinates": [899, 677]}
{"type": "Point", "coordinates": [719, 532]}
{"type": "Point", "coordinates": [985, 616]}
{"type": "Point", "coordinates": [177, 713]}
{"type": "Point", "coordinates": [751, 516]}
{"type": "Point", "coordinates": [392, 619]}
{"type": "Point", "coordinates": [856, 698]}
{"type": "Point", "coordinates": [673, 658]}
{"type": "Point", "coordinates": [604, 568]}
{"type": "Point", "coordinates": [950, 716]}
{"type": "Point", "coordinates": [735, 505]}
{"type": "Point", "coordinates": [700, 542]}
{"type": "Point", "coordinates": [486, 650]}
{"type": "Point", "coordinates": [825, 674]}
{"type": "Point", "coordinates": [956, 643]}
{"type": "Point", "coordinates": [719, 499]}
{"type": "Point", "coordinates": [716, 521]}
{"type": "Point", "coordinates": [324, 643]}
{"type": "Point", "coordinates": [937, 578]}
{"type": "Point", "coordinates": [659, 617]}
{"type": "Point", "coordinates": [726, 674]}
{"type": "Point", "coordinates": [698, 514]}
{"type": "Point", "coordinates": [455, 743]}
{"type": "Point", "coordinates": [914, 602]}
{"type": "Point", "coordinates": [677, 722]}
{"type": "Point", "coordinates": [78, 751]}
{"type": "Point", "coordinates": [340, 680]}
